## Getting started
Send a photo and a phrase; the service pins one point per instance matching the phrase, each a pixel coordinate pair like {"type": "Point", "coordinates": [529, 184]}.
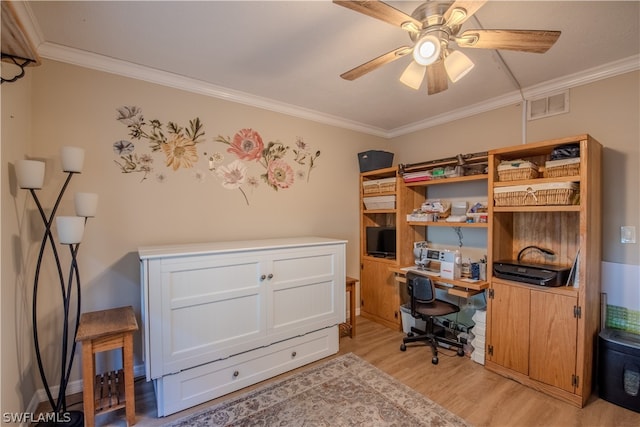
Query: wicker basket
{"type": "Point", "coordinates": [554, 193]}
{"type": "Point", "coordinates": [380, 202]}
{"type": "Point", "coordinates": [375, 186]}
{"type": "Point", "coordinates": [564, 167]}
{"type": "Point", "coordinates": [517, 169]}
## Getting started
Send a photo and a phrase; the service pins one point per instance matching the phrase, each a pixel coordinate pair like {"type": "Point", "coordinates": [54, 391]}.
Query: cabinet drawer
{"type": "Point", "coordinates": [202, 383]}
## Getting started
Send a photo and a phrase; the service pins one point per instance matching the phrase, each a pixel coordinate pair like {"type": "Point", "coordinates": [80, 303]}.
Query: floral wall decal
{"type": "Point", "coordinates": [275, 161]}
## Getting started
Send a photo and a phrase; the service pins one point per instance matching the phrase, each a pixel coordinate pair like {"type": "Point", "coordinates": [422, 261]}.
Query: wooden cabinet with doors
{"type": "Point", "coordinates": [379, 298]}
{"type": "Point", "coordinates": [526, 321]}
{"type": "Point", "coordinates": [545, 337]}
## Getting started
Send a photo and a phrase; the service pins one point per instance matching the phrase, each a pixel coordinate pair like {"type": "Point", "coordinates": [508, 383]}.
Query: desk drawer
{"type": "Point", "coordinates": [202, 383]}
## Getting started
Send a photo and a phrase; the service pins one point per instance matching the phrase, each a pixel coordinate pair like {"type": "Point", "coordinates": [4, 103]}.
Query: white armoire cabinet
{"type": "Point", "coordinates": [221, 316]}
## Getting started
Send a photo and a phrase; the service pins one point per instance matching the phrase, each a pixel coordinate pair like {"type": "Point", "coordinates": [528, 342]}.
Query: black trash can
{"type": "Point", "coordinates": [619, 368]}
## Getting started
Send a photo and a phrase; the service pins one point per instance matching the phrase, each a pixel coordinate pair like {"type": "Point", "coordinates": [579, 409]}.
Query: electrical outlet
{"type": "Point", "coordinates": [627, 234]}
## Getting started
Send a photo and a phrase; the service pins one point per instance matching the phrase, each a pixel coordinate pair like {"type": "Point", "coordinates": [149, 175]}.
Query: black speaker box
{"type": "Point", "coordinates": [374, 159]}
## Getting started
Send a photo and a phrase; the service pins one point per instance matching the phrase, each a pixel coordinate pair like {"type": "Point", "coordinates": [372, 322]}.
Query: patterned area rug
{"type": "Point", "coordinates": [345, 391]}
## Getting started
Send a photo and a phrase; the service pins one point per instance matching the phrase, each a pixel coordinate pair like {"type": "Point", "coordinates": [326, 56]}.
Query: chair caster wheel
{"type": "Point", "coordinates": [460, 352]}
{"type": "Point", "coordinates": [434, 360]}
{"type": "Point", "coordinates": [403, 347]}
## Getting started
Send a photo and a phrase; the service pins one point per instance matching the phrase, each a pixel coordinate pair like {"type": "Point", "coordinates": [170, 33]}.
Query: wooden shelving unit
{"type": "Point", "coordinates": [544, 337]}
{"type": "Point", "coordinates": [379, 298]}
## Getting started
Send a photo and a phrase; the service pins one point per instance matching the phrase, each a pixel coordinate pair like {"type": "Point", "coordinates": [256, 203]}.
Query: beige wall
{"type": "Point", "coordinates": [18, 368]}
{"type": "Point", "coordinates": [608, 110]}
{"type": "Point", "coordinates": [76, 106]}
{"type": "Point", "coordinates": [60, 104]}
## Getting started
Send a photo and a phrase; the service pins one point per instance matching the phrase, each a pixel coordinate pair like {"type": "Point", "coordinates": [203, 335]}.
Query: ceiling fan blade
{"type": "Point", "coordinates": [381, 11]}
{"type": "Point", "coordinates": [462, 10]}
{"type": "Point", "coordinates": [381, 60]}
{"type": "Point", "coordinates": [437, 80]}
{"type": "Point", "coordinates": [535, 41]}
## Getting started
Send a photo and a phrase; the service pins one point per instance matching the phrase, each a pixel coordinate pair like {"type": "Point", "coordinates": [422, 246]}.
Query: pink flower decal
{"type": "Point", "coordinates": [280, 174]}
{"type": "Point", "coordinates": [247, 145]}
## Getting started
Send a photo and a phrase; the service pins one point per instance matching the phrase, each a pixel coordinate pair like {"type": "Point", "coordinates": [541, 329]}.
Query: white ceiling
{"type": "Point", "coordinates": [287, 56]}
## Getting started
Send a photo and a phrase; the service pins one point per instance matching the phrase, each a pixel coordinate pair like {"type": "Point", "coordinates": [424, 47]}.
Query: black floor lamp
{"type": "Point", "coordinates": [30, 175]}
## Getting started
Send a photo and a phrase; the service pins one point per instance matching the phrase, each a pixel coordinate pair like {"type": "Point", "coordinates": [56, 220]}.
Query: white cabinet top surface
{"type": "Point", "coordinates": [163, 251]}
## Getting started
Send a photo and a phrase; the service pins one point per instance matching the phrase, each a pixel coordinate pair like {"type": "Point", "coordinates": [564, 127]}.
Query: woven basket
{"type": "Point", "coordinates": [517, 169]}
{"type": "Point", "coordinates": [564, 167]}
{"type": "Point", "coordinates": [555, 193]}
{"type": "Point", "coordinates": [375, 186]}
{"type": "Point", "coordinates": [370, 189]}
{"type": "Point", "coordinates": [380, 202]}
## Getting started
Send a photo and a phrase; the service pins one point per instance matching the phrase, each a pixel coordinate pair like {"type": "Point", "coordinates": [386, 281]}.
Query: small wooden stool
{"type": "Point", "coordinates": [102, 331]}
{"type": "Point", "coordinates": [350, 327]}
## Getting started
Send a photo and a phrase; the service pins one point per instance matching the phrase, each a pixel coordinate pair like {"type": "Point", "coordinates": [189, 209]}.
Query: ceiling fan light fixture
{"type": "Point", "coordinates": [457, 65]}
{"type": "Point", "coordinates": [427, 50]}
{"type": "Point", "coordinates": [413, 75]}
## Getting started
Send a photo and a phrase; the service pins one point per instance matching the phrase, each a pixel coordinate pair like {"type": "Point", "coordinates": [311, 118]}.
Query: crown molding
{"type": "Point", "coordinates": [612, 69]}
{"type": "Point", "coordinates": [127, 69]}
{"type": "Point", "coordinates": [461, 113]}
{"type": "Point", "coordinates": [123, 68]}
{"type": "Point", "coordinates": [591, 75]}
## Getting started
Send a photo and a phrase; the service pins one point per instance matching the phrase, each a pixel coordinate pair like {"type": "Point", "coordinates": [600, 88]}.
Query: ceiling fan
{"type": "Point", "coordinates": [433, 27]}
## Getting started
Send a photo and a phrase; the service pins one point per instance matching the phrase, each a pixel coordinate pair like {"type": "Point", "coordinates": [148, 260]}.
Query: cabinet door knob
{"type": "Point", "coordinates": [294, 354]}
{"type": "Point", "coordinates": [262, 277]}
{"type": "Point", "coordinates": [270, 276]}
{"type": "Point", "coordinates": [235, 374]}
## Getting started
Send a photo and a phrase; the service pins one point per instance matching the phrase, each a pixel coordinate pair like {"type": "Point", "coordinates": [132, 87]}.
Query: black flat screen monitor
{"type": "Point", "coordinates": [381, 242]}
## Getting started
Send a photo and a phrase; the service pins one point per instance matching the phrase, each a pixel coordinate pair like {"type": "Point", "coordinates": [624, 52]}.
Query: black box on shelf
{"type": "Point", "coordinates": [374, 159]}
{"type": "Point", "coordinates": [567, 151]}
{"type": "Point", "coordinates": [619, 368]}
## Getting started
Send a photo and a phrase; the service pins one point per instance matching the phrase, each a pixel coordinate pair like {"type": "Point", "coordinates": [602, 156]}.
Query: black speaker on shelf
{"type": "Point", "coordinates": [374, 159]}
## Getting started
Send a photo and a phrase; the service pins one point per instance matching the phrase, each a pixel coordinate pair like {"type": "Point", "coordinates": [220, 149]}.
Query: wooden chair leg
{"type": "Point", "coordinates": [127, 364]}
{"type": "Point", "coordinates": [88, 378]}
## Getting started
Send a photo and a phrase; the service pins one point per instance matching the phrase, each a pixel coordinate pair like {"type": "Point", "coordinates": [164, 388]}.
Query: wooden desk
{"type": "Point", "coordinates": [460, 288]}
{"type": "Point", "coordinates": [350, 327]}
{"type": "Point", "coordinates": [102, 331]}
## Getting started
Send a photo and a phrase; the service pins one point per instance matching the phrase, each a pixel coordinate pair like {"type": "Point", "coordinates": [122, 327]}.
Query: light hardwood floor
{"type": "Point", "coordinates": [456, 383]}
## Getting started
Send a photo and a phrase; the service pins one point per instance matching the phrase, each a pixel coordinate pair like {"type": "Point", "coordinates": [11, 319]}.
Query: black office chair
{"type": "Point", "coordinates": [424, 305]}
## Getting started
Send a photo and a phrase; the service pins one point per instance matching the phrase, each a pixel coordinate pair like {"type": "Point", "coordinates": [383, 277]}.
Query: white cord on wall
{"type": "Point", "coordinates": [516, 83]}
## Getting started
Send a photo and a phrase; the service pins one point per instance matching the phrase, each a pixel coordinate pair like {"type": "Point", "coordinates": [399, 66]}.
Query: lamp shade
{"type": "Point", "coordinates": [457, 65]}
{"type": "Point", "coordinates": [427, 50]}
{"type": "Point", "coordinates": [86, 204]}
{"type": "Point", "coordinates": [72, 159]}
{"type": "Point", "coordinates": [30, 173]}
{"type": "Point", "coordinates": [413, 75]}
{"type": "Point", "coordinates": [70, 229]}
